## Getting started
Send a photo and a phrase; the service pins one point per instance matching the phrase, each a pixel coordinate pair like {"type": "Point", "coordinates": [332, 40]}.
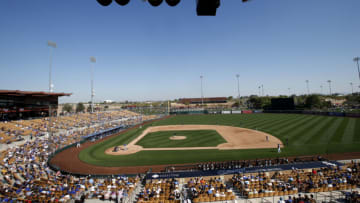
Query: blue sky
{"type": "Point", "coordinates": [147, 53]}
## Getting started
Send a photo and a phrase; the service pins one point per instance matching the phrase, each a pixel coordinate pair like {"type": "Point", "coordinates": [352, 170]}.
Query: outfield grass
{"type": "Point", "coordinates": [307, 135]}
{"type": "Point", "coordinates": [194, 138]}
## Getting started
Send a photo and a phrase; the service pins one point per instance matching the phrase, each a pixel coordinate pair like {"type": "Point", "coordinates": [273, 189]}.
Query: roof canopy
{"type": "Point", "coordinates": [206, 99]}
{"type": "Point", "coordinates": [31, 93]}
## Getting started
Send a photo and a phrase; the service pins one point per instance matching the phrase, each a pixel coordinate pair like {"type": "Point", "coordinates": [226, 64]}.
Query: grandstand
{"type": "Point", "coordinates": [16, 104]}
{"type": "Point", "coordinates": [24, 169]}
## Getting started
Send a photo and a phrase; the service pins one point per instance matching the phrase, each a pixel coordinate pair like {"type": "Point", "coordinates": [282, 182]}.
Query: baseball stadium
{"type": "Point", "coordinates": [180, 101]}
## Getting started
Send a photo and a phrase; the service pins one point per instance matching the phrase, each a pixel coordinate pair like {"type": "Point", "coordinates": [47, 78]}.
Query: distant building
{"type": "Point", "coordinates": [108, 101]}
{"type": "Point", "coordinates": [336, 102]}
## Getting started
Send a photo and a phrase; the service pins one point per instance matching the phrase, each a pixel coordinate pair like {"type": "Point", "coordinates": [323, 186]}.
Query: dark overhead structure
{"type": "Point", "coordinates": [104, 2]}
{"type": "Point", "coordinates": [155, 2]}
{"type": "Point", "coordinates": [203, 7]}
{"type": "Point", "coordinates": [172, 2]}
{"type": "Point", "coordinates": [122, 2]}
{"type": "Point", "coordinates": [207, 7]}
{"type": "Point", "coordinates": [16, 104]}
{"type": "Point", "coordinates": [208, 100]}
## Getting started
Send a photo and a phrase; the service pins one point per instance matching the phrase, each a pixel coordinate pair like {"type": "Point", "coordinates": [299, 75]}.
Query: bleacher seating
{"type": "Point", "coordinates": [11, 131]}
{"type": "Point", "coordinates": [291, 182]}
{"type": "Point", "coordinates": [26, 176]}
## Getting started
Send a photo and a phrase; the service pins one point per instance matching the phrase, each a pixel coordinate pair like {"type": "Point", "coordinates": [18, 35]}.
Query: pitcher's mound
{"type": "Point", "coordinates": [177, 137]}
{"type": "Point", "coordinates": [130, 150]}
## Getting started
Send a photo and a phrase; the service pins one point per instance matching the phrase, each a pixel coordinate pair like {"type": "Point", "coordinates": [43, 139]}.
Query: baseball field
{"type": "Point", "coordinates": [298, 135]}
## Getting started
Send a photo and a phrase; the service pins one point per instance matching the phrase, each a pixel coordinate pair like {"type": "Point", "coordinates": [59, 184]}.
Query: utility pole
{"type": "Point", "coordinates": [237, 76]}
{"type": "Point", "coordinates": [329, 81]}
{"type": "Point", "coordinates": [352, 89]}
{"type": "Point", "coordinates": [202, 95]}
{"type": "Point", "coordinates": [321, 89]}
{"type": "Point", "coordinates": [168, 107]}
{"type": "Point", "coordinates": [92, 60]}
{"type": "Point", "coordinates": [307, 86]}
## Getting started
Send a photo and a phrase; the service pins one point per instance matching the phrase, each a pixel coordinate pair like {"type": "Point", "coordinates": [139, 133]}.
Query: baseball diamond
{"type": "Point", "coordinates": [300, 135]}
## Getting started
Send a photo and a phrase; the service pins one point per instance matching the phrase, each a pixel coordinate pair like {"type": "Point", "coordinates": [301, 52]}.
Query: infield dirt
{"type": "Point", "coordinates": [236, 138]}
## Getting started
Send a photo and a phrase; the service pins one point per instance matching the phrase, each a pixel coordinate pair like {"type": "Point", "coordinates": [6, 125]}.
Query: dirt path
{"type": "Point", "coordinates": [236, 138]}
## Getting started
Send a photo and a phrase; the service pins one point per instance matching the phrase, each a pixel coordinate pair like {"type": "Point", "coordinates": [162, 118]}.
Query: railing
{"type": "Point", "coordinates": [320, 197]}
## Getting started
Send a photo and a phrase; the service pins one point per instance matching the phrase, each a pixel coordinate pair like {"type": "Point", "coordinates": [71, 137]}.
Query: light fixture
{"type": "Point", "coordinates": [172, 2]}
{"type": "Point", "coordinates": [122, 2]}
{"type": "Point", "coordinates": [155, 2]}
{"type": "Point", "coordinates": [104, 2]}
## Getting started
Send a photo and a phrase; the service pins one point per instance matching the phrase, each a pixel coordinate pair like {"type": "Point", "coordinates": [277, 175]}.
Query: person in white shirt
{"type": "Point", "coordinates": [217, 194]}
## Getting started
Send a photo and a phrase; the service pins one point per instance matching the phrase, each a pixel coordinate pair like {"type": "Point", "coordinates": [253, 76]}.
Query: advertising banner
{"type": "Point", "coordinates": [247, 111]}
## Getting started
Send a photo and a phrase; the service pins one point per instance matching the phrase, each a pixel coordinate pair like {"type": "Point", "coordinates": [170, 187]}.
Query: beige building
{"type": "Point", "coordinates": [336, 102]}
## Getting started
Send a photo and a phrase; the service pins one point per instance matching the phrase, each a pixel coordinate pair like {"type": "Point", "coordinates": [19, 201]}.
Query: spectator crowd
{"type": "Point", "coordinates": [25, 174]}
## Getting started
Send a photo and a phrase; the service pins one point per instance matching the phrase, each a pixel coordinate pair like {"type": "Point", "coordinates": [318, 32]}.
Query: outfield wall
{"type": "Point", "coordinates": [212, 111]}
{"type": "Point", "coordinates": [321, 113]}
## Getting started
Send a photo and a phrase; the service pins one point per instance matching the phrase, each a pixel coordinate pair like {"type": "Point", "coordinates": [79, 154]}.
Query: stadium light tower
{"type": "Point", "coordinates": [201, 86]}
{"type": "Point", "coordinates": [92, 60]}
{"type": "Point", "coordinates": [329, 81]}
{"type": "Point", "coordinates": [262, 87]}
{"type": "Point", "coordinates": [307, 86]}
{"type": "Point", "coordinates": [259, 91]}
{"type": "Point", "coordinates": [352, 88]}
{"type": "Point", "coordinates": [237, 76]}
{"type": "Point", "coordinates": [356, 59]}
{"type": "Point", "coordinates": [52, 46]}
